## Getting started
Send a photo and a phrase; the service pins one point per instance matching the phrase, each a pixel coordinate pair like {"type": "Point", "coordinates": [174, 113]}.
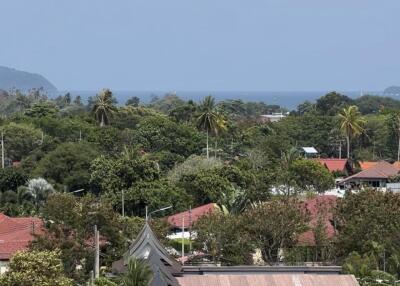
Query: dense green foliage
{"type": "Point", "coordinates": [75, 165]}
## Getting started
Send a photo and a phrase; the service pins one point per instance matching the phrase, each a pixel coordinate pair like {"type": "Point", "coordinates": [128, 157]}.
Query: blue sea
{"type": "Point", "coordinates": [287, 99]}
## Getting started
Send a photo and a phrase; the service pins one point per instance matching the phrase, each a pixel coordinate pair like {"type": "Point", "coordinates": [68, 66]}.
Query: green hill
{"type": "Point", "coordinates": [12, 78]}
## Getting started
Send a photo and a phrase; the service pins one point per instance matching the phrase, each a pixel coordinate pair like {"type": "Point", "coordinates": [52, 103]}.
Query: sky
{"type": "Point", "coordinates": [196, 45]}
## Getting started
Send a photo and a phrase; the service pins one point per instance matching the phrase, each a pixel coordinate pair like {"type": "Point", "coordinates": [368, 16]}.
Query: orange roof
{"type": "Point", "coordinates": [16, 234]}
{"type": "Point", "coordinates": [196, 213]}
{"type": "Point", "coordinates": [396, 165]}
{"type": "Point", "coordinates": [268, 279]}
{"type": "Point", "coordinates": [334, 165]}
{"type": "Point", "coordinates": [367, 164]}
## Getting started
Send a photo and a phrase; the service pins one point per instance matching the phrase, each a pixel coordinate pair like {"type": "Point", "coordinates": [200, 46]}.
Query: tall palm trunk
{"type": "Point", "coordinates": [398, 150]}
{"type": "Point", "coordinates": [215, 148]}
{"type": "Point", "coordinates": [348, 146]}
{"type": "Point", "coordinates": [208, 154]}
{"type": "Point", "coordinates": [102, 120]}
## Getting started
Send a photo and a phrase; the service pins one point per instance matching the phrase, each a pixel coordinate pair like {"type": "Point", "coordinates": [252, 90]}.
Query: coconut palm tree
{"type": "Point", "coordinates": [138, 273]}
{"type": "Point", "coordinates": [351, 124]}
{"type": "Point", "coordinates": [209, 119]}
{"type": "Point", "coordinates": [104, 107]}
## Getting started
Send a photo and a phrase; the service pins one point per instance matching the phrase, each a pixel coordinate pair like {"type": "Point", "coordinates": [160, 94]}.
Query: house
{"type": "Point", "coordinates": [274, 117]}
{"type": "Point", "coordinates": [189, 217]}
{"type": "Point", "coordinates": [15, 235]}
{"type": "Point", "coordinates": [308, 152]}
{"type": "Point", "coordinates": [337, 165]}
{"type": "Point", "coordinates": [168, 272]}
{"type": "Point", "coordinates": [364, 165]}
{"type": "Point", "coordinates": [375, 176]}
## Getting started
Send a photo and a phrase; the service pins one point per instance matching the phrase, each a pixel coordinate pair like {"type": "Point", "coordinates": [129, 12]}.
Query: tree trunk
{"type": "Point", "coordinates": [348, 146]}
{"type": "Point", "coordinates": [215, 148]}
{"type": "Point", "coordinates": [398, 150]}
{"type": "Point", "coordinates": [208, 154]}
{"type": "Point", "coordinates": [102, 120]}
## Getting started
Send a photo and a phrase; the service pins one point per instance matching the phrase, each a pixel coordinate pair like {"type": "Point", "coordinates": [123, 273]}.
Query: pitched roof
{"type": "Point", "coordinates": [272, 279]}
{"type": "Point", "coordinates": [147, 247]}
{"type": "Point", "coordinates": [319, 208]}
{"type": "Point", "coordinates": [16, 234]}
{"type": "Point", "coordinates": [396, 165]}
{"type": "Point", "coordinates": [381, 170]}
{"type": "Point", "coordinates": [190, 217]}
{"type": "Point", "coordinates": [364, 165]}
{"type": "Point", "coordinates": [334, 165]}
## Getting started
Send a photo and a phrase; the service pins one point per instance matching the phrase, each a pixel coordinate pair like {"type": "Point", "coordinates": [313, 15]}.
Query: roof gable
{"type": "Point", "coordinates": [334, 165]}
{"type": "Point", "coordinates": [381, 170]}
{"type": "Point", "coordinates": [147, 247]}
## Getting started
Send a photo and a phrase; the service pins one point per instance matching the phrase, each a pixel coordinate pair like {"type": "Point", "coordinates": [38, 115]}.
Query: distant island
{"type": "Point", "coordinates": [15, 79]}
{"type": "Point", "coordinates": [392, 90]}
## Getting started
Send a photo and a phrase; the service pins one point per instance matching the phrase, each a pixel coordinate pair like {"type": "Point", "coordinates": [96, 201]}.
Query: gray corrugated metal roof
{"type": "Point", "coordinates": [269, 280]}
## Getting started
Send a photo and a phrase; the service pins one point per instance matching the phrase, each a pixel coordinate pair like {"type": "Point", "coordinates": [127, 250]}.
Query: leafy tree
{"type": "Point", "coordinates": [351, 124]}
{"type": "Point", "coordinates": [167, 103]}
{"type": "Point", "coordinates": [310, 175]}
{"type": "Point", "coordinates": [224, 239]}
{"type": "Point", "coordinates": [332, 103]}
{"type": "Point", "coordinates": [114, 174]}
{"type": "Point", "coordinates": [184, 113]}
{"type": "Point", "coordinates": [138, 273]}
{"type": "Point", "coordinates": [35, 268]}
{"type": "Point", "coordinates": [69, 228]}
{"type": "Point", "coordinates": [11, 179]}
{"type": "Point", "coordinates": [42, 109]}
{"type": "Point", "coordinates": [367, 223]}
{"type": "Point", "coordinates": [67, 165]}
{"type": "Point", "coordinates": [276, 225]}
{"type": "Point", "coordinates": [134, 101]}
{"type": "Point", "coordinates": [20, 139]}
{"type": "Point", "coordinates": [104, 107]}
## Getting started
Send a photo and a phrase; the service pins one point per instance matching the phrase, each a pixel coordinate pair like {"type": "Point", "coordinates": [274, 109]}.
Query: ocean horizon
{"type": "Point", "coordinates": [286, 99]}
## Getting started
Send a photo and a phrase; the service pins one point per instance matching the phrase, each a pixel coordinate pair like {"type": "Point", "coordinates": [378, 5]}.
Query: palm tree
{"type": "Point", "coordinates": [104, 107]}
{"type": "Point", "coordinates": [139, 273]}
{"type": "Point", "coordinates": [351, 124]}
{"type": "Point", "coordinates": [210, 120]}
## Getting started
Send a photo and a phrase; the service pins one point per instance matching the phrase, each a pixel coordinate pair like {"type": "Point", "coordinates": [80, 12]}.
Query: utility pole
{"type": "Point", "coordinates": [2, 149]}
{"type": "Point", "coordinates": [96, 253]}
{"type": "Point", "coordinates": [80, 135]}
{"type": "Point", "coordinates": [190, 229]}
{"type": "Point", "coordinates": [123, 203]}
{"type": "Point", "coordinates": [183, 239]}
{"type": "Point", "coordinates": [340, 149]}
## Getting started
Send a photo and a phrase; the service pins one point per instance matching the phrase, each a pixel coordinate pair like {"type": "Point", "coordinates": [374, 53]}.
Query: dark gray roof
{"type": "Point", "coordinates": [147, 247]}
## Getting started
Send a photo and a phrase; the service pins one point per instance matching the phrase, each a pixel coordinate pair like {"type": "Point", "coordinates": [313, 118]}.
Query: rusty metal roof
{"type": "Point", "coordinates": [269, 280]}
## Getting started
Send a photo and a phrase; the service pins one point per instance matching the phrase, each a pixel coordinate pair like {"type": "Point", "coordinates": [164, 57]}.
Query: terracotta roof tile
{"type": "Point", "coordinates": [16, 234]}
{"type": "Point", "coordinates": [319, 207]}
{"type": "Point", "coordinates": [176, 219]}
{"type": "Point", "coordinates": [334, 164]}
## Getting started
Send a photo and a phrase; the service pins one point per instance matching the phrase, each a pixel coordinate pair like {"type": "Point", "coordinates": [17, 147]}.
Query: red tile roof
{"type": "Point", "coordinates": [176, 219]}
{"type": "Point", "coordinates": [16, 234]}
{"type": "Point", "coordinates": [381, 170]}
{"type": "Point", "coordinates": [396, 165]}
{"type": "Point", "coordinates": [367, 164]}
{"type": "Point", "coordinates": [334, 165]}
{"type": "Point", "coordinates": [319, 207]}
